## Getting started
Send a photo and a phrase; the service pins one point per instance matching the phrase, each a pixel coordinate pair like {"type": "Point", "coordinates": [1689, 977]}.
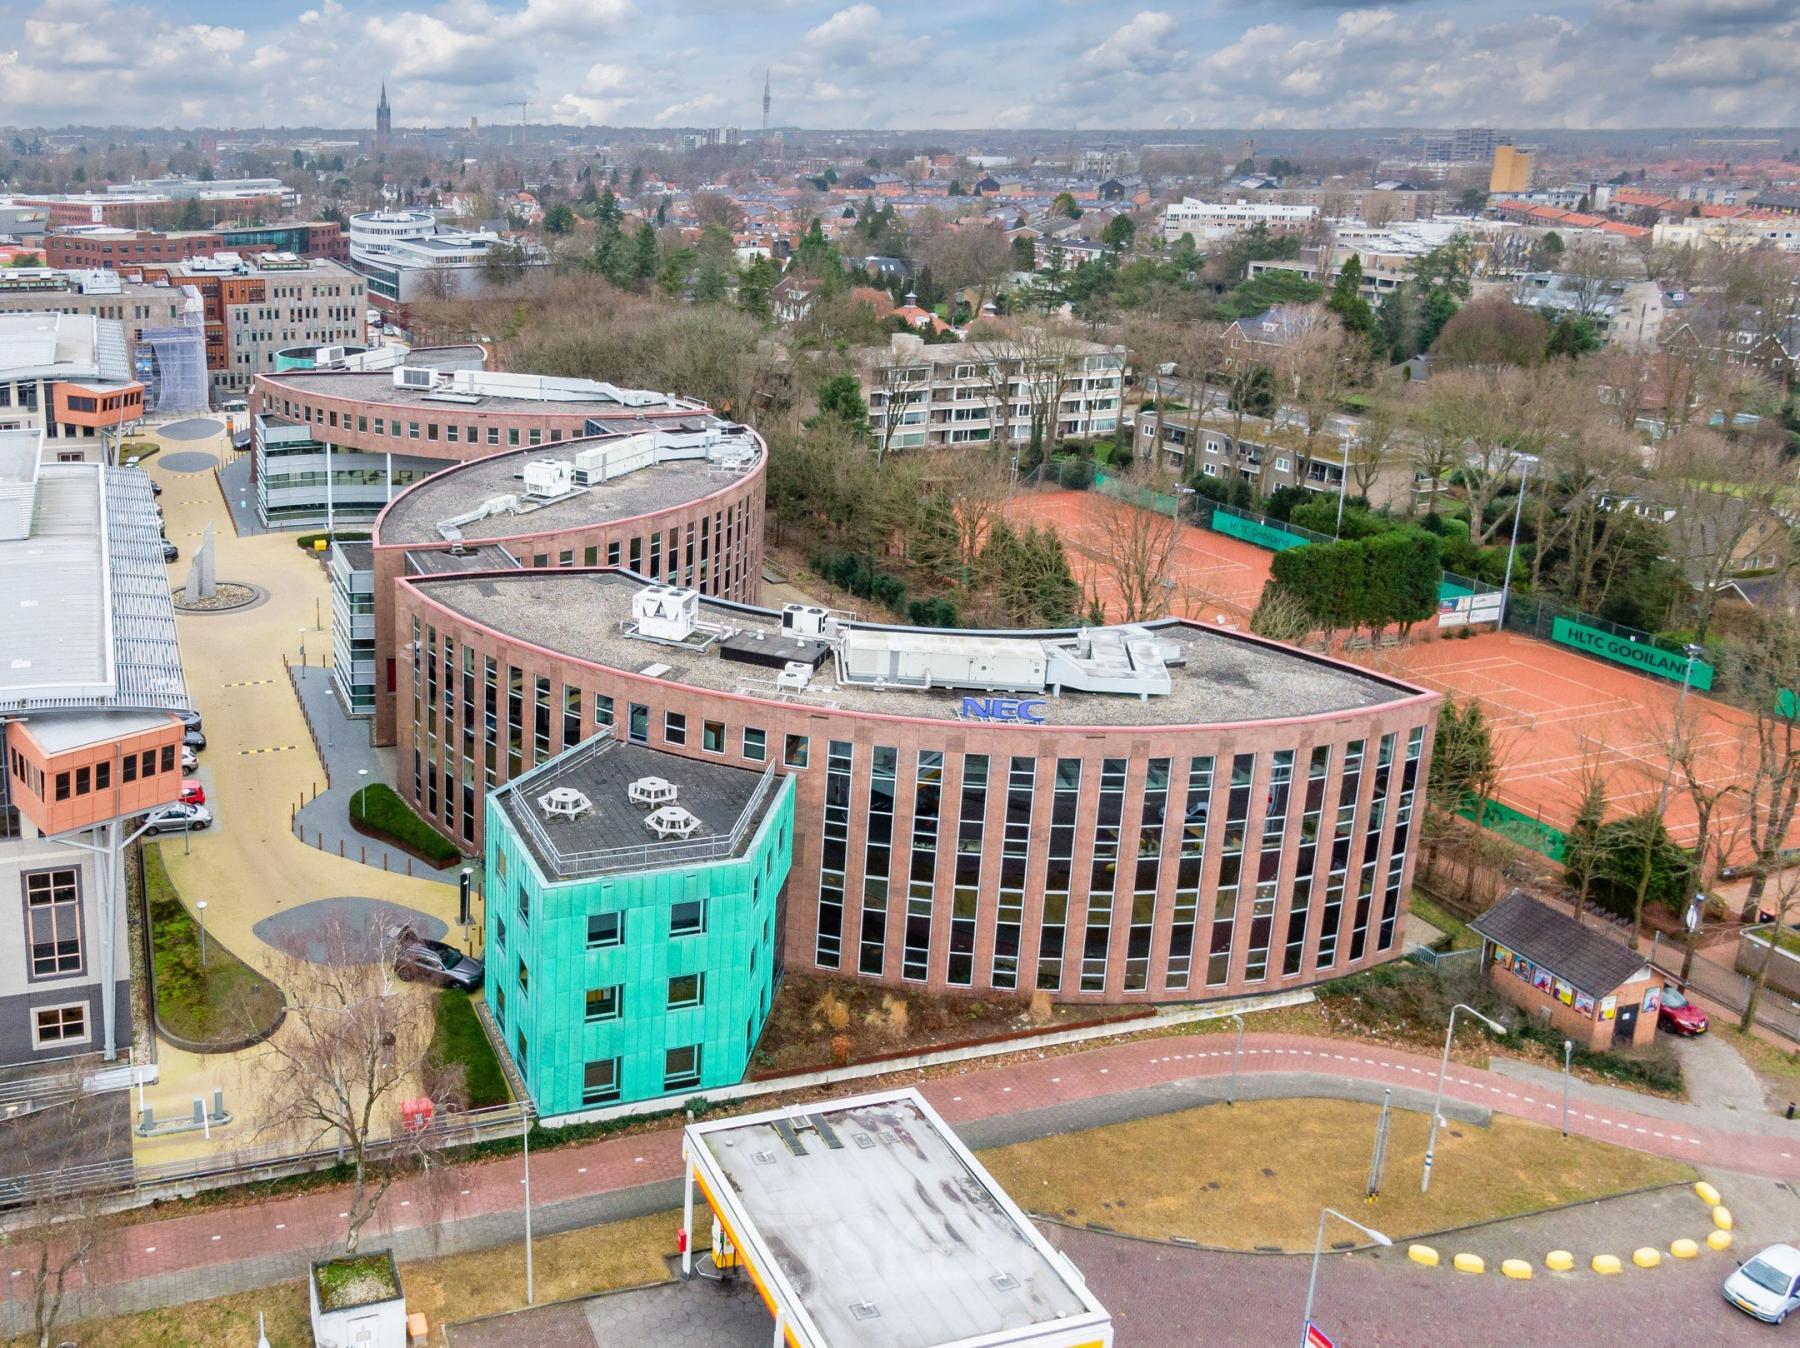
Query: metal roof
{"type": "Point", "coordinates": [85, 615]}
{"type": "Point", "coordinates": [874, 1227]}
{"type": "Point", "coordinates": [1576, 954]}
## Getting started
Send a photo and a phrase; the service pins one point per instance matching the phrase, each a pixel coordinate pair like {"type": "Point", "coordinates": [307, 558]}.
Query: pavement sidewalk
{"type": "Point", "coordinates": [213, 1252]}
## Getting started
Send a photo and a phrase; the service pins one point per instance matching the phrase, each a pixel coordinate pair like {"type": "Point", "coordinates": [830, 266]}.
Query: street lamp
{"type": "Point", "coordinates": [200, 908]}
{"type": "Point", "coordinates": [1438, 1100]}
{"type": "Point", "coordinates": [1236, 1053]}
{"type": "Point", "coordinates": [1568, 1053]}
{"type": "Point", "coordinates": [1525, 463]}
{"type": "Point", "coordinates": [302, 647]}
{"type": "Point", "coordinates": [1343, 484]}
{"type": "Point", "coordinates": [1312, 1283]}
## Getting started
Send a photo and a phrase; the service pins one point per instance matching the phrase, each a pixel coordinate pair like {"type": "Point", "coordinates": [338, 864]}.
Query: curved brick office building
{"type": "Point", "coordinates": [1162, 813]}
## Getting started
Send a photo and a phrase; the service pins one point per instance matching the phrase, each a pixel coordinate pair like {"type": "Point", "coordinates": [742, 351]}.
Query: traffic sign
{"type": "Point", "coordinates": [1317, 1338]}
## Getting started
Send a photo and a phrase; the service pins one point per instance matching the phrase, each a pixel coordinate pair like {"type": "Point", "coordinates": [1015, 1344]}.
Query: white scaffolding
{"type": "Point", "coordinates": [171, 362]}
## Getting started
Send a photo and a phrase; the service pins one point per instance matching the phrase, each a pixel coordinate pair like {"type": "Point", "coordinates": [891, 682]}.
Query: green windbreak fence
{"type": "Point", "coordinates": [1527, 832]}
{"type": "Point", "coordinates": [1592, 635]}
{"type": "Point", "coordinates": [1164, 503]}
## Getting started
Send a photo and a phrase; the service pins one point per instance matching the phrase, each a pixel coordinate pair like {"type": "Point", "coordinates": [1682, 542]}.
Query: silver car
{"type": "Point", "coordinates": [1767, 1286]}
{"type": "Point", "coordinates": [177, 818]}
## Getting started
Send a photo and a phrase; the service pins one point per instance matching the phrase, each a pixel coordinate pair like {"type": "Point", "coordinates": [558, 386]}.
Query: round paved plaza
{"type": "Point", "coordinates": [194, 428]}
{"type": "Point", "coordinates": [189, 461]}
{"type": "Point", "coordinates": [311, 931]}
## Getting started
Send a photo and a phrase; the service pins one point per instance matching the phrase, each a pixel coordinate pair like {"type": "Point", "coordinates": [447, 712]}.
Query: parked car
{"type": "Point", "coordinates": [1767, 1286]}
{"type": "Point", "coordinates": [193, 738]}
{"type": "Point", "coordinates": [177, 818]}
{"type": "Point", "coordinates": [155, 487]}
{"type": "Point", "coordinates": [171, 553]}
{"type": "Point", "coordinates": [436, 962]}
{"type": "Point", "coordinates": [1678, 1015]}
{"type": "Point", "coordinates": [189, 759]}
{"type": "Point", "coordinates": [192, 792]}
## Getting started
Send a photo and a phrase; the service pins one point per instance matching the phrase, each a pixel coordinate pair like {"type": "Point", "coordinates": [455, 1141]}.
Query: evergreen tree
{"type": "Point", "coordinates": [1346, 300]}
{"type": "Point", "coordinates": [1024, 253]}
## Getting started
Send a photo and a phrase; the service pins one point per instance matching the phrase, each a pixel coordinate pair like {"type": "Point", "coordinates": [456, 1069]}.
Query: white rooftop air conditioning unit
{"type": "Point", "coordinates": [408, 376]}
{"type": "Point", "coordinates": [665, 612]}
{"type": "Point", "coordinates": [328, 355]}
{"type": "Point", "coordinates": [795, 675]}
{"type": "Point", "coordinates": [549, 477]}
{"type": "Point", "coordinates": [804, 620]}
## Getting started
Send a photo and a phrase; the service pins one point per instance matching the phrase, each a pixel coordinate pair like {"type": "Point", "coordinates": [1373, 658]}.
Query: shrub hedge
{"type": "Point", "coordinates": [379, 809]}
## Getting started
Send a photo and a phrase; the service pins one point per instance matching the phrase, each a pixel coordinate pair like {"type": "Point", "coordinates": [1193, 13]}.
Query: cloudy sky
{"type": "Point", "coordinates": [905, 63]}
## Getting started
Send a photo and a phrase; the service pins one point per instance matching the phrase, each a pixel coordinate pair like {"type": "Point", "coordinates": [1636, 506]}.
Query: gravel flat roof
{"type": "Point", "coordinates": [1225, 678]}
{"type": "Point", "coordinates": [414, 515]}
{"type": "Point", "coordinates": [378, 387]}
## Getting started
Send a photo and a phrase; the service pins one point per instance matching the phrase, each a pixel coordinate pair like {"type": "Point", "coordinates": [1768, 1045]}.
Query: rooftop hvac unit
{"type": "Point", "coordinates": [328, 355]}
{"type": "Point", "coordinates": [549, 477]}
{"type": "Point", "coordinates": [665, 612]}
{"type": "Point", "coordinates": [795, 675]}
{"type": "Point", "coordinates": [407, 376]}
{"type": "Point", "coordinates": [804, 620]}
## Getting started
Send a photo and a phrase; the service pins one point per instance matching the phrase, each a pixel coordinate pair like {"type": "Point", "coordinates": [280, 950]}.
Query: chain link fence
{"type": "Point", "coordinates": [1723, 984]}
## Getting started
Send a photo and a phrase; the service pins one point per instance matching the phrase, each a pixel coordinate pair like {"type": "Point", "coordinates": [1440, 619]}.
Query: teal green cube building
{"type": "Point", "coordinates": [634, 921]}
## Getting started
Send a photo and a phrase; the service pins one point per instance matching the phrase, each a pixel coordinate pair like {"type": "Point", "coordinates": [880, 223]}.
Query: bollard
{"type": "Point", "coordinates": [218, 1102]}
{"type": "Point", "coordinates": [146, 1118]}
{"type": "Point", "coordinates": [364, 858]}
{"type": "Point", "coordinates": [199, 1112]}
{"type": "Point", "coordinates": [409, 868]}
{"type": "Point", "coordinates": [1790, 1109]}
{"type": "Point", "coordinates": [340, 847]}
{"type": "Point", "coordinates": [384, 859]}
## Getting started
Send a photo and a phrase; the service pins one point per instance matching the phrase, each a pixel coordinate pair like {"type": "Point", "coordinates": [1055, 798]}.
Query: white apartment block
{"type": "Point", "coordinates": [922, 395]}
{"type": "Point", "coordinates": [1209, 221]}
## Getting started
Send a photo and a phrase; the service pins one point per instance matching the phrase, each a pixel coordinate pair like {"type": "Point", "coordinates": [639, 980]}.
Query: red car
{"type": "Point", "coordinates": [1678, 1015]}
{"type": "Point", "coordinates": [192, 793]}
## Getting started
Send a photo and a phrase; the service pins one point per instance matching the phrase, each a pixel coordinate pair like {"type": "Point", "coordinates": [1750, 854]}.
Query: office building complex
{"type": "Point", "coordinates": [1210, 221]}
{"type": "Point", "coordinates": [87, 693]}
{"type": "Point", "coordinates": [632, 480]}
{"type": "Point", "coordinates": [109, 248]}
{"type": "Point", "coordinates": [1157, 812]}
{"type": "Point", "coordinates": [134, 305]}
{"type": "Point", "coordinates": [409, 255]}
{"type": "Point", "coordinates": [67, 377]}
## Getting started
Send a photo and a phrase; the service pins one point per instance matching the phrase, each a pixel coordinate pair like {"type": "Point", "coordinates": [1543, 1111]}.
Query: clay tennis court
{"type": "Point", "coordinates": [1214, 575]}
{"type": "Point", "coordinates": [1557, 713]}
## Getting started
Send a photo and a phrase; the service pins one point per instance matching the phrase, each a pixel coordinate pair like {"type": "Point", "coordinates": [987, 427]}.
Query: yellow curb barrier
{"type": "Point", "coordinates": [1722, 1218]}
{"type": "Point", "coordinates": [1607, 1263]}
{"type": "Point", "coordinates": [1647, 1257]}
{"type": "Point", "coordinates": [1468, 1263]}
{"type": "Point", "coordinates": [1719, 1240]}
{"type": "Point", "coordinates": [1706, 1193]}
{"type": "Point", "coordinates": [1422, 1254]}
{"type": "Point", "coordinates": [1516, 1268]}
{"type": "Point", "coordinates": [1559, 1261]}
{"type": "Point", "coordinates": [1684, 1248]}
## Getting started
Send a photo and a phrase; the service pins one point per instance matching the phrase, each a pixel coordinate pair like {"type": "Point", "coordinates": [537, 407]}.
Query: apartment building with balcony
{"type": "Point", "coordinates": [923, 395]}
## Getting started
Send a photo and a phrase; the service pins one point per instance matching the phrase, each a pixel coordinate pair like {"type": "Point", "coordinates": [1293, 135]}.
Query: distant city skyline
{"type": "Point", "coordinates": [925, 64]}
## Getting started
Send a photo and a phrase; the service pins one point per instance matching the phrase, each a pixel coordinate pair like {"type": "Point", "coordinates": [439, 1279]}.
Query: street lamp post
{"type": "Point", "coordinates": [1343, 485]}
{"type": "Point", "coordinates": [1438, 1100]}
{"type": "Point", "coordinates": [1512, 547]}
{"type": "Point", "coordinates": [1568, 1054]}
{"type": "Point", "coordinates": [303, 648]}
{"type": "Point", "coordinates": [1236, 1053]}
{"type": "Point", "coordinates": [1312, 1283]}
{"type": "Point", "coordinates": [200, 908]}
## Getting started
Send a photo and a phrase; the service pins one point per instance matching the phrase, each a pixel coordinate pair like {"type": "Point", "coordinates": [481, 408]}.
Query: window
{"type": "Point", "coordinates": [53, 922]}
{"type": "Point", "coordinates": [83, 784]}
{"type": "Point", "coordinates": [168, 758]}
{"type": "Point", "coordinates": [674, 727]}
{"type": "Point", "coordinates": [681, 1067]}
{"type": "Point", "coordinates": [603, 1003]}
{"type": "Point", "coordinates": [54, 1025]}
{"type": "Point", "coordinates": [756, 745]}
{"type": "Point", "coordinates": [638, 725]}
{"type": "Point", "coordinates": [794, 750]}
{"type": "Point", "coordinates": [102, 776]}
{"type": "Point", "coordinates": [688, 918]}
{"type": "Point", "coordinates": [603, 710]}
{"type": "Point", "coordinates": [524, 904]}
{"type": "Point", "coordinates": [62, 786]}
{"type": "Point", "coordinates": [712, 736]}
{"type": "Point", "coordinates": [600, 1081]}
{"type": "Point", "coordinates": [605, 929]}
{"type": "Point", "coordinates": [686, 990]}
{"type": "Point", "coordinates": [524, 977]}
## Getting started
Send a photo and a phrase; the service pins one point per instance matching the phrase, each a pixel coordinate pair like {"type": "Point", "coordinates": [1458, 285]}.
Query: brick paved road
{"type": "Point", "coordinates": [205, 1254]}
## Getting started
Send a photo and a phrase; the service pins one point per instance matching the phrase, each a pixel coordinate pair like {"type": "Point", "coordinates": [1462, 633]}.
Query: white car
{"type": "Point", "coordinates": [190, 760]}
{"type": "Point", "coordinates": [177, 818]}
{"type": "Point", "coordinates": [1767, 1286]}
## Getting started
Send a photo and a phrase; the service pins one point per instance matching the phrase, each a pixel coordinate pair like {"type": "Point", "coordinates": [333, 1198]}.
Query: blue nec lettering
{"type": "Point", "coordinates": [1003, 709]}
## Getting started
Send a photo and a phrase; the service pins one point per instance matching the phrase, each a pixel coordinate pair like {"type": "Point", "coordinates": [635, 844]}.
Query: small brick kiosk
{"type": "Point", "coordinates": [1589, 986]}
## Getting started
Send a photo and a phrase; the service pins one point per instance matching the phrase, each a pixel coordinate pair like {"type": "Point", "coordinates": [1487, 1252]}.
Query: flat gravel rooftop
{"type": "Point", "coordinates": [378, 387]}
{"type": "Point", "coordinates": [1225, 678]}
{"type": "Point", "coordinates": [414, 515]}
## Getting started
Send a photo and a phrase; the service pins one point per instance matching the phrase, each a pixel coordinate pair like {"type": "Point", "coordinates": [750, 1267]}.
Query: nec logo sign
{"type": "Point", "coordinates": [1003, 709]}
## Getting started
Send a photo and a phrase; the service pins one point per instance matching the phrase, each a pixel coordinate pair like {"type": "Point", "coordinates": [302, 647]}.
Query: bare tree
{"type": "Point", "coordinates": [1765, 669]}
{"type": "Point", "coordinates": [1377, 437]}
{"type": "Point", "coordinates": [62, 1226]}
{"type": "Point", "coordinates": [1787, 893]}
{"type": "Point", "coordinates": [1137, 548]}
{"type": "Point", "coordinates": [1724, 495]}
{"type": "Point", "coordinates": [1317, 368]}
{"type": "Point", "coordinates": [354, 1044]}
{"type": "Point", "coordinates": [899, 381]}
{"type": "Point", "coordinates": [979, 489]}
{"type": "Point", "coordinates": [1591, 270]}
{"type": "Point", "coordinates": [1040, 358]}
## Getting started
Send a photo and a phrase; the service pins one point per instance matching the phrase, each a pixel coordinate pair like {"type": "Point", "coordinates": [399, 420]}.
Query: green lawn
{"type": "Point", "coordinates": [1461, 938]}
{"type": "Point", "coordinates": [223, 1000]}
{"type": "Point", "coordinates": [378, 808]}
{"type": "Point", "coordinates": [458, 1037]}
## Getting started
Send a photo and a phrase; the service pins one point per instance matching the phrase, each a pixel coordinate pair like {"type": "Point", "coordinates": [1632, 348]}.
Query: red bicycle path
{"type": "Point", "coordinates": [304, 1225]}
